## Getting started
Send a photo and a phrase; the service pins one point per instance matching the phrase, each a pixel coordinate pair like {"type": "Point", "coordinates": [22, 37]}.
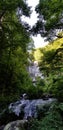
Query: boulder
{"type": "Point", "coordinates": [7, 116]}
{"type": "Point", "coordinates": [17, 125]}
{"type": "Point", "coordinates": [46, 96]}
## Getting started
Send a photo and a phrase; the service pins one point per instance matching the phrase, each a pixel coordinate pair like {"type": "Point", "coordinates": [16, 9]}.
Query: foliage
{"type": "Point", "coordinates": [50, 17]}
{"type": "Point", "coordinates": [14, 39]}
{"type": "Point", "coordinates": [34, 92]}
{"type": "Point", "coordinates": [51, 66]}
{"type": "Point", "coordinates": [42, 110]}
{"type": "Point", "coordinates": [51, 121]}
{"type": "Point", "coordinates": [37, 54]}
{"type": "Point", "coordinates": [33, 124]}
{"type": "Point", "coordinates": [51, 57]}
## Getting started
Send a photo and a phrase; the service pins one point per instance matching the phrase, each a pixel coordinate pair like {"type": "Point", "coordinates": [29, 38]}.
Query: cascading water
{"type": "Point", "coordinates": [28, 106]}
{"type": "Point", "coordinates": [34, 71]}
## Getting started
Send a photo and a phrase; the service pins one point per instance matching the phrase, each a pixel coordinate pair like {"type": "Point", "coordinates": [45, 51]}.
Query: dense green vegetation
{"type": "Point", "coordinates": [49, 119]}
{"type": "Point", "coordinates": [14, 39]}
{"type": "Point", "coordinates": [50, 18]}
{"type": "Point", "coordinates": [50, 60]}
{"type": "Point", "coordinates": [14, 44]}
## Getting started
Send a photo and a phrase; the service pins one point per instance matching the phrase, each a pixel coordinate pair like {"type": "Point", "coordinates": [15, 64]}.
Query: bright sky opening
{"type": "Point", "coordinates": [38, 40]}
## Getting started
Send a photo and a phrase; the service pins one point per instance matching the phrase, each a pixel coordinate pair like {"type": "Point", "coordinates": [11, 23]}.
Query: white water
{"type": "Point", "coordinates": [28, 106]}
{"type": "Point", "coordinates": [34, 71]}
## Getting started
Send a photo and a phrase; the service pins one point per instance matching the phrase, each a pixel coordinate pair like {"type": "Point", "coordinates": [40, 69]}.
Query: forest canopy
{"type": "Point", "coordinates": [50, 18]}
{"type": "Point", "coordinates": [14, 40]}
{"type": "Point", "coordinates": [16, 57]}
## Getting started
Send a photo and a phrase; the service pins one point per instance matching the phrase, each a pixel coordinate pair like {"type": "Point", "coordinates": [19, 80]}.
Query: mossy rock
{"type": "Point", "coordinates": [17, 125]}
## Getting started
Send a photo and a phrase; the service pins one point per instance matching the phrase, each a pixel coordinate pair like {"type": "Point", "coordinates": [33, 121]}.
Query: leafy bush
{"type": "Point", "coordinates": [54, 86]}
{"type": "Point", "coordinates": [51, 121]}
{"type": "Point", "coordinates": [42, 110]}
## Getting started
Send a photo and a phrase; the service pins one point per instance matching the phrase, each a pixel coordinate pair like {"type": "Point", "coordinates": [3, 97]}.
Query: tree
{"type": "Point", "coordinates": [51, 66]}
{"type": "Point", "coordinates": [52, 58]}
{"type": "Point", "coordinates": [14, 39]}
{"type": "Point", "coordinates": [50, 17]}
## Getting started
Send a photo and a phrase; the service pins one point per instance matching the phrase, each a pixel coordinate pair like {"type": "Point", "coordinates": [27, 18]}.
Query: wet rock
{"type": "Point", "coordinates": [17, 125]}
{"type": "Point", "coordinates": [46, 96]}
{"type": "Point", "coordinates": [25, 96]}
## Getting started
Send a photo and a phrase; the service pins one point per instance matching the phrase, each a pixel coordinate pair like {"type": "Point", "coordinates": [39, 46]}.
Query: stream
{"type": "Point", "coordinates": [25, 108]}
{"type": "Point", "coordinates": [29, 107]}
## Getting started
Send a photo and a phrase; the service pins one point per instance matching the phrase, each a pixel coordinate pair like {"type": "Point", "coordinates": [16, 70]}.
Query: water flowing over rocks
{"type": "Point", "coordinates": [34, 71]}
{"type": "Point", "coordinates": [28, 107]}
{"type": "Point", "coordinates": [25, 109]}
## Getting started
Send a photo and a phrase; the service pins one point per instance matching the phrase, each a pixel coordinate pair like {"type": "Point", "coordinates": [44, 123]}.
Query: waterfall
{"type": "Point", "coordinates": [29, 107]}
{"type": "Point", "coordinates": [34, 71]}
